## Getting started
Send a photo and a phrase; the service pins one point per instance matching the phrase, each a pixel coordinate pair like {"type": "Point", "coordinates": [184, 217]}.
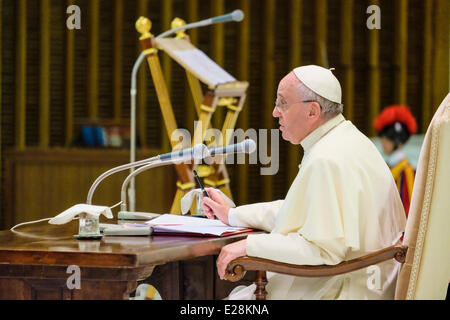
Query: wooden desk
{"type": "Point", "coordinates": [34, 265]}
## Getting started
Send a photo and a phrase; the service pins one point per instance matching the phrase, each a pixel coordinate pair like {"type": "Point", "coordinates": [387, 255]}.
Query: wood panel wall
{"type": "Point", "coordinates": [51, 78]}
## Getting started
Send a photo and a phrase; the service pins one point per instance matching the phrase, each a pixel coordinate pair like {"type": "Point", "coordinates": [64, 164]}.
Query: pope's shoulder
{"type": "Point", "coordinates": [344, 143]}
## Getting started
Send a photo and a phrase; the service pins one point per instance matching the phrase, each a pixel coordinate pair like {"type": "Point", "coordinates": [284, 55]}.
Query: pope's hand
{"type": "Point", "coordinates": [215, 205]}
{"type": "Point", "coordinates": [229, 253]}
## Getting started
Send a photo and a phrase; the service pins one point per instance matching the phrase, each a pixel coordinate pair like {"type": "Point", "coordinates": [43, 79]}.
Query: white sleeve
{"type": "Point", "coordinates": [231, 218]}
{"type": "Point", "coordinates": [258, 215]}
{"type": "Point", "coordinates": [295, 249]}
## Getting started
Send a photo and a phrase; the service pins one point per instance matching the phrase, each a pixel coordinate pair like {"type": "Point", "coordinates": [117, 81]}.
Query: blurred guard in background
{"type": "Point", "coordinates": [395, 125]}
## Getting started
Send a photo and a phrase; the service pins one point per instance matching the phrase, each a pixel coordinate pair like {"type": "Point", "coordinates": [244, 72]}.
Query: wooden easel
{"type": "Point", "coordinates": [227, 93]}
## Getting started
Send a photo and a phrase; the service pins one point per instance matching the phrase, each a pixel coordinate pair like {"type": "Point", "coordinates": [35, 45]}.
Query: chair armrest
{"type": "Point", "coordinates": [236, 268]}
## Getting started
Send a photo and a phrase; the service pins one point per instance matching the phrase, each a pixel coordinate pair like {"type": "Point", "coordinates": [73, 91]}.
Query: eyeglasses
{"type": "Point", "coordinates": [283, 107]}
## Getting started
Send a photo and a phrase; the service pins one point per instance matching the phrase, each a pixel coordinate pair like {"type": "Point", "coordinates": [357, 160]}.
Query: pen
{"type": "Point", "coordinates": [205, 194]}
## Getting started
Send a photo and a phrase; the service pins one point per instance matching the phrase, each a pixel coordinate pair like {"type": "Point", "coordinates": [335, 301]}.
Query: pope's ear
{"type": "Point", "coordinates": [314, 110]}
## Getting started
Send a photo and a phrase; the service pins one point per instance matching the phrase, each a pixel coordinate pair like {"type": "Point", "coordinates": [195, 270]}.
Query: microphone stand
{"type": "Point", "coordinates": [198, 151]}
{"type": "Point", "coordinates": [185, 27]}
{"type": "Point", "coordinates": [246, 146]}
{"type": "Point", "coordinates": [114, 170]}
{"type": "Point", "coordinates": [236, 15]}
{"type": "Point", "coordinates": [133, 92]}
{"type": "Point", "coordinates": [130, 177]}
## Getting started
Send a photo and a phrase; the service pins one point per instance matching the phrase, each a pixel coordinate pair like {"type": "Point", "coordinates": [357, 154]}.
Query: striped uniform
{"type": "Point", "coordinates": [403, 173]}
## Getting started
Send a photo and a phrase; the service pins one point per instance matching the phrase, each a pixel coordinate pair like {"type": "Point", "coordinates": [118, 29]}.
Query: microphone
{"type": "Point", "coordinates": [199, 151]}
{"type": "Point", "coordinates": [236, 15]}
{"type": "Point", "coordinates": [246, 146]}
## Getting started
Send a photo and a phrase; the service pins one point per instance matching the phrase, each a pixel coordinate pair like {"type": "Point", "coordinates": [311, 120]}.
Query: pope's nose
{"type": "Point", "coordinates": [276, 113]}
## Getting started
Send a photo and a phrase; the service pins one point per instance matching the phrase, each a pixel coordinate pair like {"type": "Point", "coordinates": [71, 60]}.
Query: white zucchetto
{"type": "Point", "coordinates": [320, 80]}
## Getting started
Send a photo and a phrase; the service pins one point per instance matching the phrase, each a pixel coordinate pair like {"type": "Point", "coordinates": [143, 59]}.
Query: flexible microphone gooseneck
{"type": "Point", "coordinates": [199, 151]}
{"type": "Point", "coordinates": [246, 146]}
{"type": "Point", "coordinates": [236, 15]}
{"type": "Point", "coordinates": [195, 152]}
{"type": "Point", "coordinates": [133, 93]}
{"type": "Point", "coordinates": [132, 175]}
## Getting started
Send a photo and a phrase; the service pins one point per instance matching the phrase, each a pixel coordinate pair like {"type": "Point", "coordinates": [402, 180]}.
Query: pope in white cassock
{"type": "Point", "coordinates": [343, 203]}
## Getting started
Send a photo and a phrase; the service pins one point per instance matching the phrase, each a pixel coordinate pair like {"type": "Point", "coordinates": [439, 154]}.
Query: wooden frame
{"type": "Point", "coordinates": [229, 94]}
{"type": "Point", "coordinates": [236, 268]}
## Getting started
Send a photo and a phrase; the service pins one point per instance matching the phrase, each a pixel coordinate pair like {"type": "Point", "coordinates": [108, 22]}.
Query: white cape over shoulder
{"type": "Point", "coordinates": [343, 204]}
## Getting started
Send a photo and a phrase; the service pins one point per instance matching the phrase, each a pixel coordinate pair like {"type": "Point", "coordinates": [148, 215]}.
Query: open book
{"type": "Point", "coordinates": [174, 224]}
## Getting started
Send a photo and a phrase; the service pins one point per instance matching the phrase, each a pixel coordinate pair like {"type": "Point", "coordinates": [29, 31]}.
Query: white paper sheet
{"type": "Point", "coordinates": [210, 71]}
{"type": "Point", "coordinates": [174, 223]}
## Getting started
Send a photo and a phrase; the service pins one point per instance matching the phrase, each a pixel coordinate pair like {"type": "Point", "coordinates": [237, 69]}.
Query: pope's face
{"type": "Point", "coordinates": [294, 116]}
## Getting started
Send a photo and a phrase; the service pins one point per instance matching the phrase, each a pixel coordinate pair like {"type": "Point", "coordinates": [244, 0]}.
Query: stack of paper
{"type": "Point", "coordinates": [175, 224]}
